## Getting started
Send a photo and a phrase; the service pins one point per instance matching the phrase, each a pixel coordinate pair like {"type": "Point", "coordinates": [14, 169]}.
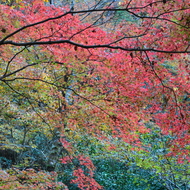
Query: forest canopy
{"type": "Point", "coordinates": [94, 94]}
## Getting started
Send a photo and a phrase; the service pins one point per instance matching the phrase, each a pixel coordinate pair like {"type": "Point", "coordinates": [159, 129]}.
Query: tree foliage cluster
{"type": "Point", "coordinates": [94, 94]}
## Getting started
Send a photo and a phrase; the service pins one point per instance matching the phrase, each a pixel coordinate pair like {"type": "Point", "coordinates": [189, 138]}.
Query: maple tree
{"type": "Point", "coordinates": [75, 72]}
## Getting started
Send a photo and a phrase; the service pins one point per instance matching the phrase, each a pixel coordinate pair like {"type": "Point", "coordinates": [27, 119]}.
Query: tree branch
{"type": "Point", "coordinates": [91, 46]}
{"type": "Point", "coordinates": [88, 11]}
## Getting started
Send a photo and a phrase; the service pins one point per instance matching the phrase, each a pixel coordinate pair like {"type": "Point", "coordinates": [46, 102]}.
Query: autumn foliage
{"type": "Point", "coordinates": [67, 75]}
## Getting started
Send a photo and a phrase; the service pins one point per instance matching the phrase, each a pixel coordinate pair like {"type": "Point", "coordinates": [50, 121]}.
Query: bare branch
{"type": "Point", "coordinates": [93, 46]}
{"type": "Point", "coordinates": [88, 11]}
{"type": "Point", "coordinates": [16, 71]}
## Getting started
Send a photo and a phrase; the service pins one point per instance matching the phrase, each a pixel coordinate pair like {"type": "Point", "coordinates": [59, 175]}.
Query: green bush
{"type": "Point", "coordinates": [116, 175]}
